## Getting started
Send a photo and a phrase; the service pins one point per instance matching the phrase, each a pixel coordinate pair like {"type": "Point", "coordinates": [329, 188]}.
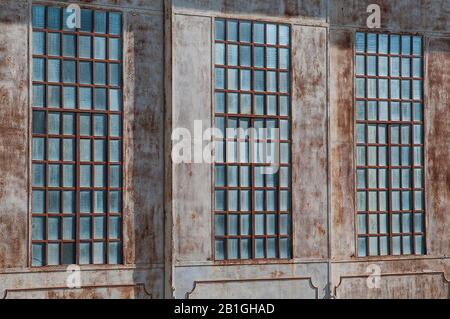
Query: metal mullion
{"type": "Point", "coordinates": [400, 141]}
{"type": "Point", "coordinates": [277, 226]}
{"type": "Point", "coordinates": [377, 71]}
{"type": "Point", "coordinates": [366, 147]}
{"type": "Point", "coordinates": [77, 165]}
{"type": "Point", "coordinates": [225, 145]}
{"type": "Point", "coordinates": [108, 166]}
{"type": "Point", "coordinates": [388, 158]}
{"type": "Point", "coordinates": [45, 263]}
{"type": "Point", "coordinates": [61, 127]}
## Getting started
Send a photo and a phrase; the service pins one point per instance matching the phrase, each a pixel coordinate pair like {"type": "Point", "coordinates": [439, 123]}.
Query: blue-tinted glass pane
{"type": "Point", "coordinates": [38, 42]}
{"type": "Point", "coordinates": [86, 20]}
{"type": "Point", "coordinates": [54, 44]}
{"type": "Point", "coordinates": [39, 122]}
{"type": "Point", "coordinates": [271, 34]}
{"type": "Point", "coordinates": [54, 70]}
{"type": "Point", "coordinates": [115, 153]}
{"type": "Point", "coordinates": [54, 96]}
{"type": "Point", "coordinates": [38, 95]}
{"type": "Point", "coordinates": [115, 23]}
{"type": "Point", "coordinates": [115, 125]}
{"type": "Point", "coordinates": [99, 151]}
{"type": "Point", "coordinates": [85, 98]}
{"type": "Point", "coordinates": [220, 29]}
{"type": "Point", "coordinates": [115, 201]}
{"type": "Point", "coordinates": [99, 202]}
{"type": "Point", "coordinates": [38, 69]}
{"type": "Point", "coordinates": [114, 74]}
{"type": "Point", "coordinates": [38, 149]}
{"type": "Point", "coordinates": [100, 73]}
{"type": "Point", "coordinates": [100, 99]}
{"type": "Point", "coordinates": [85, 201]}
{"type": "Point", "coordinates": [85, 47]}
{"type": "Point", "coordinates": [232, 30]}
{"type": "Point", "coordinates": [100, 22]}
{"type": "Point", "coordinates": [85, 227]}
{"type": "Point", "coordinates": [38, 16]}
{"type": "Point", "coordinates": [38, 228]}
{"type": "Point", "coordinates": [38, 202]}
{"type": "Point", "coordinates": [54, 18]}
{"type": "Point", "coordinates": [69, 202]}
{"type": "Point", "coordinates": [85, 150]}
{"type": "Point", "coordinates": [37, 255]}
{"type": "Point", "coordinates": [115, 49]}
{"type": "Point", "coordinates": [284, 34]}
{"type": "Point", "coordinates": [115, 100]}
{"type": "Point", "coordinates": [70, 74]}
{"type": "Point", "coordinates": [70, 96]}
{"type": "Point", "coordinates": [100, 48]}
{"type": "Point", "coordinates": [70, 45]}
{"type": "Point", "coordinates": [115, 176]}
{"type": "Point", "coordinates": [38, 175]}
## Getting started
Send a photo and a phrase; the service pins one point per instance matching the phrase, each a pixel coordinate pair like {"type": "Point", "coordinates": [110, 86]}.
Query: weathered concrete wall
{"type": "Point", "coordinates": [323, 186]}
{"type": "Point", "coordinates": [405, 276]}
{"type": "Point", "coordinates": [142, 275]}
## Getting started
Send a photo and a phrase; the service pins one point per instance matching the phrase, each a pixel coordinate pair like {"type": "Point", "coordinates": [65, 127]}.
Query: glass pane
{"type": "Point", "coordinates": [85, 72]}
{"type": "Point", "coordinates": [86, 20]}
{"type": "Point", "coordinates": [220, 250]}
{"type": "Point", "coordinates": [54, 200]}
{"type": "Point", "coordinates": [271, 34]}
{"type": "Point", "coordinates": [220, 29]}
{"type": "Point", "coordinates": [70, 97]}
{"type": "Point", "coordinates": [69, 175]}
{"type": "Point", "coordinates": [100, 73]}
{"type": "Point", "coordinates": [38, 148]}
{"type": "Point", "coordinates": [70, 45]}
{"type": "Point", "coordinates": [54, 18]}
{"type": "Point", "coordinates": [69, 202]}
{"type": "Point", "coordinates": [115, 100]}
{"type": "Point", "coordinates": [99, 202]}
{"type": "Point", "coordinates": [115, 178]}
{"type": "Point", "coordinates": [99, 253]}
{"type": "Point", "coordinates": [115, 49]}
{"type": "Point", "coordinates": [69, 123]}
{"type": "Point", "coordinates": [85, 150]}
{"type": "Point", "coordinates": [114, 227]}
{"type": "Point", "coordinates": [54, 149]}
{"type": "Point", "coordinates": [38, 69]}
{"type": "Point", "coordinates": [115, 201]}
{"type": "Point", "coordinates": [38, 202]}
{"type": "Point", "coordinates": [85, 201]}
{"type": "Point", "coordinates": [38, 228]}
{"type": "Point", "coordinates": [99, 151]}
{"type": "Point", "coordinates": [85, 253]}
{"type": "Point", "coordinates": [99, 227]}
{"type": "Point", "coordinates": [39, 122]}
{"type": "Point", "coordinates": [54, 44]}
{"type": "Point", "coordinates": [232, 30]}
{"type": "Point", "coordinates": [100, 22]}
{"type": "Point", "coordinates": [38, 17]}
{"type": "Point", "coordinates": [115, 23]}
{"type": "Point", "coordinates": [85, 50]}
{"type": "Point", "coordinates": [69, 228]}
{"type": "Point", "coordinates": [38, 95]}
{"type": "Point", "coordinates": [100, 48]}
{"type": "Point", "coordinates": [69, 150]}
{"type": "Point", "coordinates": [39, 175]}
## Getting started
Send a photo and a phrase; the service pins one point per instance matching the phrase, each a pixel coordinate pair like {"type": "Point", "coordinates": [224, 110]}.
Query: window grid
{"type": "Point", "coordinates": [275, 241]}
{"type": "Point", "coordinates": [52, 242]}
{"type": "Point", "coordinates": [389, 140]}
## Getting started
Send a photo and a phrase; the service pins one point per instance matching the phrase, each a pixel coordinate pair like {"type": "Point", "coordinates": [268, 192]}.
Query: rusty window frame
{"type": "Point", "coordinates": [223, 237]}
{"type": "Point", "coordinates": [109, 237]}
{"type": "Point", "coordinates": [404, 227]}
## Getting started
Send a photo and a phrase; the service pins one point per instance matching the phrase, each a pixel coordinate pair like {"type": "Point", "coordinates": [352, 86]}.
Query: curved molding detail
{"type": "Point", "coordinates": [198, 283]}
{"type": "Point", "coordinates": [342, 278]}
{"type": "Point", "coordinates": [138, 285]}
